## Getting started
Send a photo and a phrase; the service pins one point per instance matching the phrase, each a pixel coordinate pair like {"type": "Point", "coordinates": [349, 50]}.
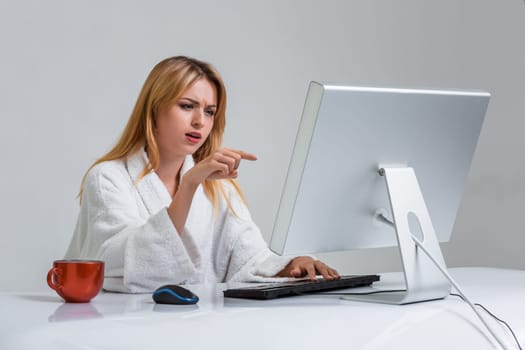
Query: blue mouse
{"type": "Point", "coordinates": [174, 294]}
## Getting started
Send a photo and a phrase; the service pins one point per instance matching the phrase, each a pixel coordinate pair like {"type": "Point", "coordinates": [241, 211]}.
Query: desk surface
{"type": "Point", "coordinates": [123, 321]}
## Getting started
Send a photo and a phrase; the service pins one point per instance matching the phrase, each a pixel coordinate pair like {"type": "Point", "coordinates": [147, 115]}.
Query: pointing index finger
{"type": "Point", "coordinates": [246, 155]}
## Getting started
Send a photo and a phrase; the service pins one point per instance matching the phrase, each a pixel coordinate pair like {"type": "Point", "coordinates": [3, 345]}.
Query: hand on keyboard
{"type": "Point", "coordinates": [306, 266]}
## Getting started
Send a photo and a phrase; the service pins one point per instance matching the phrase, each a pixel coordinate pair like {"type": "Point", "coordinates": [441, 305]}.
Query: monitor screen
{"type": "Point", "coordinates": [333, 193]}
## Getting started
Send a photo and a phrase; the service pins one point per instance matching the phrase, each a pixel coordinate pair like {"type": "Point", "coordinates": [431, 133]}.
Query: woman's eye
{"type": "Point", "coordinates": [186, 106]}
{"type": "Point", "coordinates": [210, 112]}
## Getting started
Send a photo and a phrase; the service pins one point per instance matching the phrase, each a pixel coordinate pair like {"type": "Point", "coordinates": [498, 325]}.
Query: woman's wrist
{"type": "Point", "coordinates": [187, 185]}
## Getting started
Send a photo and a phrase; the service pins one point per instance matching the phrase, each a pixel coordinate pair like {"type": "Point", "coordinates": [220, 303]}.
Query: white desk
{"type": "Point", "coordinates": [119, 321]}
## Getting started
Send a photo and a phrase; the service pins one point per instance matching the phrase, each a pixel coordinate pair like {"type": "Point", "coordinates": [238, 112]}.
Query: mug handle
{"type": "Point", "coordinates": [52, 277]}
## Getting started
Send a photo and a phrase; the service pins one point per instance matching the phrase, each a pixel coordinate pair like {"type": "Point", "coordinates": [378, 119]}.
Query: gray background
{"type": "Point", "coordinates": [71, 70]}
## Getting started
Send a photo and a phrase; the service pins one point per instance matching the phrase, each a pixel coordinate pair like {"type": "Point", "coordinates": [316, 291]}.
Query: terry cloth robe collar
{"type": "Point", "coordinates": [151, 188]}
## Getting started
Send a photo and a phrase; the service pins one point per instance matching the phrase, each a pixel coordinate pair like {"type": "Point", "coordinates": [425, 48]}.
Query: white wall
{"type": "Point", "coordinates": [70, 72]}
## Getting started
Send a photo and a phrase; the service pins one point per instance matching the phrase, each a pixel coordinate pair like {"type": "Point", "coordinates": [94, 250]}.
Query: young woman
{"type": "Point", "coordinates": [163, 207]}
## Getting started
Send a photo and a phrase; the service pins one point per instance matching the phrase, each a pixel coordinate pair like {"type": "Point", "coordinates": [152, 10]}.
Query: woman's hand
{"type": "Point", "coordinates": [221, 164]}
{"type": "Point", "coordinates": [306, 266]}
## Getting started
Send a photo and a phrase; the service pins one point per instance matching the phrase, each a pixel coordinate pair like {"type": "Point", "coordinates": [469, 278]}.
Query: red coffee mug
{"type": "Point", "coordinates": [76, 281]}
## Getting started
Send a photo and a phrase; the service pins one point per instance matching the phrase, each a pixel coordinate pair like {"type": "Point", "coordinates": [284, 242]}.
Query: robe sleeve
{"type": "Point", "coordinates": [140, 255]}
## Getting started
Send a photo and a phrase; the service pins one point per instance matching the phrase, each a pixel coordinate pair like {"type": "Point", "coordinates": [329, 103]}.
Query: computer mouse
{"type": "Point", "coordinates": [174, 294]}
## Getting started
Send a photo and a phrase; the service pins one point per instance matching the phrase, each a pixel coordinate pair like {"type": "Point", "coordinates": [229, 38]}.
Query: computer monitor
{"type": "Point", "coordinates": [373, 166]}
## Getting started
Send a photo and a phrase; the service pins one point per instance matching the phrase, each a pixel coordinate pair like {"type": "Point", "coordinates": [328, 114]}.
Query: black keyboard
{"type": "Point", "coordinates": [285, 289]}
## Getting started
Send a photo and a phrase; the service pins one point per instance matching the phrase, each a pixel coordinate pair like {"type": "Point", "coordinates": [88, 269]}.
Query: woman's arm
{"type": "Point", "coordinates": [222, 164]}
{"type": "Point", "coordinates": [180, 206]}
{"type": "Point", "coordinates": [250, 259]}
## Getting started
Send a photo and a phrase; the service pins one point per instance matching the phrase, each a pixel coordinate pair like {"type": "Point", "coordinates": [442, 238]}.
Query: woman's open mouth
{"type": "Point", "coordinates": [193, 137]}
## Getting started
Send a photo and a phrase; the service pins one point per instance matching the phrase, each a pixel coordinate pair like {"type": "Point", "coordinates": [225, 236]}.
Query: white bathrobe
{"type": "Point", "coordinates": [127, 226]}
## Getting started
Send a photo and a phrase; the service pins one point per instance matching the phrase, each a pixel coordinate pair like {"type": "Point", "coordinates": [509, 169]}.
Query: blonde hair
{"type": "Point", "coordinates": [163, 87]}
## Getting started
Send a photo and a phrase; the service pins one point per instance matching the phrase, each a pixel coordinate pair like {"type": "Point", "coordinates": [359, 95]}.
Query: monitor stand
{"type": "Point", "coordinates": [423, 279]}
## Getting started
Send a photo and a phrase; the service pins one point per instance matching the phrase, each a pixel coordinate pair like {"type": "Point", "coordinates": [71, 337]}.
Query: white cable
{"type": "Point", "coordinates": [444, 271]}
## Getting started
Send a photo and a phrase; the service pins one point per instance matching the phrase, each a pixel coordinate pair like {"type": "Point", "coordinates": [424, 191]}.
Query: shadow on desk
{"type": "Point", "coordinates": [71, 312]}
{"type": "Point", "coordinates": [167, 308]}
{"type": "Point", "coordinates": [290, 301]}
{"type": "Point", "coordinates": [40, 298]}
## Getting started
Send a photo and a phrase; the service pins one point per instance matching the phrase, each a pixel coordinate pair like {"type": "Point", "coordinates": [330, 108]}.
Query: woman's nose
{"type": "Point", "coordinates": [197, 119]}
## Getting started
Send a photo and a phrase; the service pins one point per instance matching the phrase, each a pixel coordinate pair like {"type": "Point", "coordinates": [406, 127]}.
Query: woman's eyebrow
{"type": "Point", "coordinates": [196, 102]}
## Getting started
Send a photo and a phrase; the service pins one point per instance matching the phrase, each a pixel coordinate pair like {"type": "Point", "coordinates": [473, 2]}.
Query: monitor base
{"type": "Point", "coordinates": [394, 298]}
{"type": "Point", "coordinates": [423, 280]}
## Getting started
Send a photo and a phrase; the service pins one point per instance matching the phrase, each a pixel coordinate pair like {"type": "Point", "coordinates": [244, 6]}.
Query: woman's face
{"type": "Point", "coordinates": [183, 127]}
